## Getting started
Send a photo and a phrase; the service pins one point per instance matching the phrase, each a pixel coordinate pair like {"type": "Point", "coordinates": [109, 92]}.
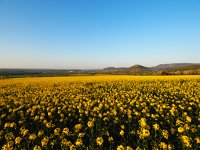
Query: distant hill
{"type": "Point", "coordinates": [191, 67]}
{"type": "Point", "coordinates": [114, 68]}
{"type": "Point", "coordinates": [172, 66]}
{"type": "Point", "coordinates": [109, 68]}
{"type": "Point", "coordinates": [137, 67]}
{"type": "Point", "coordinates": [162, 69]}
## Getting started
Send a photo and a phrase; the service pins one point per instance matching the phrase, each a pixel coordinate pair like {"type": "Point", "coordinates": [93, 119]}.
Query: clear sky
{"type": "Point", "coordinates": [98, 33]}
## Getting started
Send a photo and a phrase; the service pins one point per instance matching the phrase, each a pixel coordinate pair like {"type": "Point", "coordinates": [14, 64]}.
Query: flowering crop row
{"type": "Point", "coordinates": [100, 112]}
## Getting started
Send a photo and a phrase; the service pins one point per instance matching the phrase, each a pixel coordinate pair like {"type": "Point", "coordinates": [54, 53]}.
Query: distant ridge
{"type": "Point", "coordinates": [109, 68]}
{"type": "Point", "coordinates": [161, 69]}
{"type": "Point", "coordinates": [173, 66]}
{"type": "Point", "coordinates": [137, 67]}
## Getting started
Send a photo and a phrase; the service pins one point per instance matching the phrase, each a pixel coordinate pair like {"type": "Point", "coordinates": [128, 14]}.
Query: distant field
{"type": "Point", "coordinates": [100, 112]}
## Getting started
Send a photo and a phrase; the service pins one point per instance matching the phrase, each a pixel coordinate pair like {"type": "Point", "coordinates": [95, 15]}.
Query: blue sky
{"type": "Point", "coordinates": [86, 34]}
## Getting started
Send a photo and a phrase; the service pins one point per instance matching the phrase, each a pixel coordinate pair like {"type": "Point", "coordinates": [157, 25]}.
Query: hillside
{"type": "Point", "coordinates": [162, 69]}
{"type": "Point", "coordinates": [137, 68]}
{"type": "Point", "coordinates": [173, 66]}
{"type": "Point", "coordinates": [191, 67]}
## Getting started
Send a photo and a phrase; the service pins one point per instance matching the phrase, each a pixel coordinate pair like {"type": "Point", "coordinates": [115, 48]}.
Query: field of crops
{"type": "Point", "coordinates": [100, 112]}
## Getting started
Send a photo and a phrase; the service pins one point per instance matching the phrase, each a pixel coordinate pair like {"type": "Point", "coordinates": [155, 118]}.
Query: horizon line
{"type": "Point", "coordinates": [37, 68]}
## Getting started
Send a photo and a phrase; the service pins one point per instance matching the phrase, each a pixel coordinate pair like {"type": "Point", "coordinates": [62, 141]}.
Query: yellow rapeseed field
{"type": "Point", "coordinates": [100, 112]}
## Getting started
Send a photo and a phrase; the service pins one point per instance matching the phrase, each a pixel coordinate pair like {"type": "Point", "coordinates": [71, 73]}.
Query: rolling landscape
{"type": "Point", "coordinates": [99, 75]}
{"type": "Point", "coordinates": [162, 69]}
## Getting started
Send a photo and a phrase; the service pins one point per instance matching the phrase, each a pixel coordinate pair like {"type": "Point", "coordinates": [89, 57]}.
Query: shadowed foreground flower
{"type": "Point", "coordinates": [90, 124]}
{"type": "Point", "coordinates": [181, 129]}
{"type": "Point", "coordinates": [138, 148]}
{"type": "Point", "coordinates": [8, 146]}
{"type": "Point", "coordinates": [197, 139]}
{"type": "Point", "coordinates": [99, 141]}
{"type": "Point", "coordinates": [78, 127]}
{"type": "Point", "coordinates": [72, 147]}
{"type": "Point", "coordinates": [110, 139]}
{"type": "Point", "coordinates": [32, 136]}
{"type": "Point", "coordinates": [37, 148]}
{"type": "Point", "coordinates": [79, 142]}
{"type": "Point", "coordinates": [186, 141]}
{"type": "Point", "coordinates": [45, 141]}
{"type": "Point", "coordinates": [40, 133]}
{"type": "Point", "coordinates": [120, 147]}
{"type": "Point", "coordinates": [66, 131]}
{"type": "Point", "coordinates": [144, 133]}
{"type": "Point", "coordinates": [188, 119]}
{"type": "Point", "coordinates": [165, 134]}
{"type": "Point", "coordinates": [163, 145]}
{"type": "Point", "coordinates": [57, 131]}
{"type": "Point", "coordinates": [142, 122]}
{"type": "Point", "coordinates": [121, 132]}
{"type": "Point", "coordinates": [128, 148]}
{"type": "Point", "coordinates": [24, 132]}
{"type": "Point", "coordinates": [156, 126]}
{"type": "Point", "coordinates": [18, 140]}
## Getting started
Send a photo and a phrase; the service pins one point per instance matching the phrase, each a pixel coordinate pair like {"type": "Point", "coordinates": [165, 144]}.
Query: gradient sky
{"type": "Point", "coordinates": [98, 33]}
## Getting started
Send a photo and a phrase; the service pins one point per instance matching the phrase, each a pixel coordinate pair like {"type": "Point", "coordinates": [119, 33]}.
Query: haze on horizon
{"type": "Point", "coordinates": [88, 34]}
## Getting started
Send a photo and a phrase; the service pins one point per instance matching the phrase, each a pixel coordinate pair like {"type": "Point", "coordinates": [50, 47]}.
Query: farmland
{"type": "Point", "coordinates": [100, 112]}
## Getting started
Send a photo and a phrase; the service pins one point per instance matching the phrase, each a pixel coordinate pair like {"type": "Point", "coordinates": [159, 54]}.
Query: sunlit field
{"type": "Point", "coordinates": [100, 112]}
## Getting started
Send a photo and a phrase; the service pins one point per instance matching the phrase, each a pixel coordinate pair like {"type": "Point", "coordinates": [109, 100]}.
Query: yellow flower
{"type": "Point", "coordinates": [66, 131]}
{"type": "Point", "coordinates": [57, 131]}
{"type": "Point", "coordinates": [187, 127]}
{"type": "Point", "coordinates": [72, 147]}
{"type": "Point", "coordinates": [156, 126]}
{"type": "Point", "coordinates": [178, 122]}
{"type": "Point", "coordinates": [81, 135]}
{"type": "Point", "coordinates": [49, 114]}
{"type": "Point", "coordinates": [181, 129]}
{"type": "Point", "coordinates": [7, 125]}
{"type": "Point", "coordinates": [110, 139]}
{"type": "Point", "coordinates": [40, 133]}
{"type": "Point", "coordinates": [36, 118]}
{"type": "Point", "coordinates": [52, 143]}
{"type": "Point", "coordinates": [165, 134]}
{"type": "Point", "coordinates": [18, 140]}
{"type": "Point", "coordinates": [170, 147]}
{"type": "Point", "coordinates": [188, 119]}
{"type": "Point", "coordinates": [32, 136]}
{"type": "Point", "coordinates": [121, 132]}
{"type": "Point", "coordinates": [90, 124]}
{"type": "Point", "coordinates": [163, 145]}
{"type": "Point", "coordinates": [128, 148]}
{"type": "Point", "coordinates": [79, 142]}
{"type": "Point", "coordinates": [8, 146]}
{"type": "Point", "coordinates": [78, 127]}
{"type": "Point", "coordinates": [25, 132]}
{"type": "Point", "coordinates": [138, 148]}
{"type": "Point", "coordinates": [144, 133]}
{"type": "Point", "coordinates": [186, 141]}
{"type": "Point", "coordinates": [66, 143]}
{"type": "Point", "coordinates": [45, 141]}
{"type": "Point", "coordinates": [142, 122]}
{"type": "Point", "coordinates": [122, 127]}
{"type": "Point", "coordinates": [48, 125]}
{"type": "Point", "coordinates": [99, 141]}
{"type": "Point", "coordinates": [197, 139]}
{"type": "Point", "coordinates": [37, 148]}
{"type": "Point", "coordinates": [120, 147]}
{"type": "Point", "coordinates": [12, 124]}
